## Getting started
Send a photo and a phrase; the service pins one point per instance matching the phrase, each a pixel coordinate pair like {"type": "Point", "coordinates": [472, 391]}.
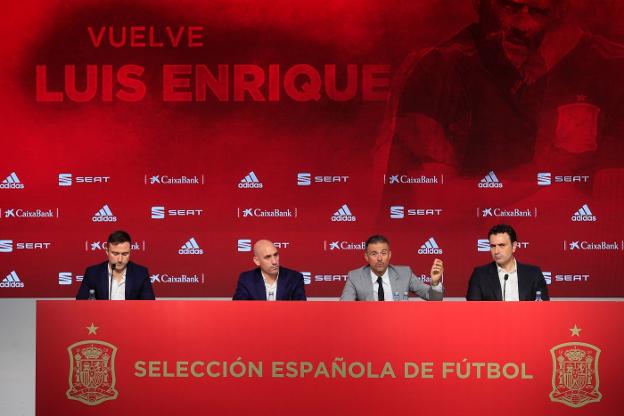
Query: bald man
{"type": "Point", "coordinates": [269, 281]}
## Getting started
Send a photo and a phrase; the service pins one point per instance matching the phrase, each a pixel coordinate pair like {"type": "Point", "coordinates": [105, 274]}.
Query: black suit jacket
{"type": "Point", "coordinates": [138, 283]}
{"type": "Point", "coordinates": [250, 285]}
{"type": "Point", "coordinates": [485, 285]}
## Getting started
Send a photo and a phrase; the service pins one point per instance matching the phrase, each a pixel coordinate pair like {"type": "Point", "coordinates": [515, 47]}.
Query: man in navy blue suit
{"type": "Point", "coordinates": [505, 278]}
{"type": "Point", "coordinates": [269, 281]}
{"type": "Point", "coordinates": [117, 278]}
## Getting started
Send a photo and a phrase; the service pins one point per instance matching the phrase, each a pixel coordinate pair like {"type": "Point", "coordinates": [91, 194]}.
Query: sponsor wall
{"type": "Point", "coordinates": [201, 128]}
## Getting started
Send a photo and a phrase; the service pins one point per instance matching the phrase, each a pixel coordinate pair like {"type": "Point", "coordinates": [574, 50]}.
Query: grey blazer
{"type": "Point", "coordinates": [359, 284]}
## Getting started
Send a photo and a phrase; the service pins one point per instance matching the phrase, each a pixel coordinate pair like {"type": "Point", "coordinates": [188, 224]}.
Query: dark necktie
{"type": "Point", "coordinates": [380, 292]}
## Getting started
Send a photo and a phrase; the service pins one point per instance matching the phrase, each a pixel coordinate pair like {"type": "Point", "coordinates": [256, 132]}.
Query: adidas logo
{"type": "Point", "coordinates": [11, 182]}
{"type": "Point", "coordinates": [104, 215]}
{"type": "Point", "coordinates": [490, 181]}
{"type": "Point", "coordinates": [250, 181]}
{"type": "Point", "coordinates": [584, 214]}
{"type": "Point", "coordinates": [190, 247]}
{"type": "Point", "coordinates": [343, 214]}
{"type": "Point", "coordinates": [430, 247]}
{"type": "Point", "coordinates": [12, 280]}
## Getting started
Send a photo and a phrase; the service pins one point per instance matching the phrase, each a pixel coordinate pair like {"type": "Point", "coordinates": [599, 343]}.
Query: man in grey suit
{"type": "Point", "coordinates": [381, 281]}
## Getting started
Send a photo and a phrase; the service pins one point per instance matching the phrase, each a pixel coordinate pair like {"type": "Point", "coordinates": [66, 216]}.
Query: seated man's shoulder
{"type": "Point", "coordinates": [95, 267]}
{"type": "Point", "coordinates": [247, 274]}
{"type": "Point", "coordinates": [530, 267]}
{"type": "Point", "coordinates": [288, 271]}
{"type": "Point", "coordinates": [137, 267]}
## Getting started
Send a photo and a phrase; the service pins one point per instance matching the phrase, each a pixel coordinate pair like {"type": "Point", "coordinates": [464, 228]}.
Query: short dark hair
{"type": "Point", "coordinates": [119, 236]}
{"type": "Point", "coordinates": [375, 239]}
{"type": "Point", "coordinates": [501, 229]}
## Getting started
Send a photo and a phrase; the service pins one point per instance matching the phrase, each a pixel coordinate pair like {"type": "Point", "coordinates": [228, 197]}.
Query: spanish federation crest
{"type": "Point", "coordinates": [575, 374]}
{"type": "Point", "coordinates": [92, 372]}
{"type": "Point", "coordinates": [577, 127]}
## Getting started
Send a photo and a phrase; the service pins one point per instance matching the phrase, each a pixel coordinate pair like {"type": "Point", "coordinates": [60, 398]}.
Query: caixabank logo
{"type": "Point", "coordinates": [97, 245]}
{"type": "Point", "coordinates": [403, 179]}
{"type": "Point", "coordinates": [11, 182]}
{"type": "Point", "coordinates": [507, 212]}
{"type": "Point", "coordinates": [92, 376]}
{"type": "Point", "coordinates": [181, 278]}
{"type": "Point", "coordinates": [343, 245]}
{"type": "Point", "coordinates": [584, 245]}
{"type": "Point", "coordinates": [29, 213]}
{"type": "Point", "coordinates": [160, 179]}
{"type": "Point", "coordinates": [575, 372]}
{"type": "Point", "coordinates": [251, 212]}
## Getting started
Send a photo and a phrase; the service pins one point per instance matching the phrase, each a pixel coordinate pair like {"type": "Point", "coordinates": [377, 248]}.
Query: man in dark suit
{"type": "Point", "coordinates": [117, 278]}
{"type": "Point", "coordinates": [505, 278]}
{"type": "Point", "coordinates": [269, 281]}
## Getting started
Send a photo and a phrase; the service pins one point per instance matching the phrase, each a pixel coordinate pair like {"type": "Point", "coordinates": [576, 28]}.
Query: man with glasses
{"type": "Point", "coordinates": [381, 281]}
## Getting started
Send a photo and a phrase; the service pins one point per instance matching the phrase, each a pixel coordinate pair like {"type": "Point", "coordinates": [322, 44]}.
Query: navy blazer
{"type": "Point", "coordinates": [138, 283]}
{"type": "Point", "coordinates": [485, 285]}
{"type": "Point", "coordinates": [250, 285]}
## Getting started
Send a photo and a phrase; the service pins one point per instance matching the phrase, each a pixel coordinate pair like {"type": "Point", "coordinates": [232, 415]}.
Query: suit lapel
{"type": "Point", "coordinates": [523, 282]}
{"type": "Point", "coordinates": [103, 278]}
{"type": "Point", "coordinates": [394, 277]}
{"type": "Point", "coordinates": [129, 275]}
{"type": "Point", "coordinates": [494, 281]}
{"type": "Point", "coordinates": [282, 280]}
{"type": "Point", "coordinates": [259, 285]}
{"type": "Point", "coordinates": [367, 282]}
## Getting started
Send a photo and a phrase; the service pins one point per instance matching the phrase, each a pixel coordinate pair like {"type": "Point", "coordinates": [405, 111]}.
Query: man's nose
{"type": "Point", "coordinates": [523, 22]}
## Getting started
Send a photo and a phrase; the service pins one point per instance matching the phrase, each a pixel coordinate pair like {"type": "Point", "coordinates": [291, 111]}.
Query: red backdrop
{"type": "Point", "coordinates": [299, 88]}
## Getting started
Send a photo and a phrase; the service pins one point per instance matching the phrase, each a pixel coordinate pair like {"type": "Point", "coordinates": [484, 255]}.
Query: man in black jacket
{"type": "Point", "coordinates": [505, 278]}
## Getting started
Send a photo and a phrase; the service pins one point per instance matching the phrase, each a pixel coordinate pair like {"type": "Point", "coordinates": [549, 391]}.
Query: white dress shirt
{"type": "Point", "coordinates": [270, 288]}
{"type": "Point", "coordinates": [510, 292]}
{"type": "Point", "coordinates": [117, 289]}
{"type": "Point", "coordinates": [385, 282]}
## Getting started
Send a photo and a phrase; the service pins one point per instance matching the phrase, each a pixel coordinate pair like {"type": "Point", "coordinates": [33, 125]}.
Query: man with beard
{"type": "Point", "coordinates": [117, 278]}
{"type": "Point", "coordinates": [524, 88]}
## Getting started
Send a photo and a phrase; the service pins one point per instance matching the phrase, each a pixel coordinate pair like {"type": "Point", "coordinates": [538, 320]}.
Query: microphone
{"type": "Point", "coordinates": [505, 287]}
{"type": "Point", "coordinates": [110, 281]}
